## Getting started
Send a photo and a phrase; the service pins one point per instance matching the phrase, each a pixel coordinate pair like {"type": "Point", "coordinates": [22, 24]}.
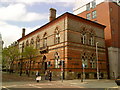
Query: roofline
{"type": "Point", "coordinates": [63, 15]}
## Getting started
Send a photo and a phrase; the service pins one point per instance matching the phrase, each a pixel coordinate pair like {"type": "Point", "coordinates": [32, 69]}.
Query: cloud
{"type": "Point", "coordinates": [11, 33]}
{"type": "Point", "coordinates": [37, 1]}
{"type": "Point", "coordinates": [18, 12]}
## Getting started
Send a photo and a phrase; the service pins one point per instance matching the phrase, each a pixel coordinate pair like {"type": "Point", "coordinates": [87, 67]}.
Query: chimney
{"type": "Point", "coordinates": [52, 14]}
{"type": "Point", "coordinates": [23, 32]}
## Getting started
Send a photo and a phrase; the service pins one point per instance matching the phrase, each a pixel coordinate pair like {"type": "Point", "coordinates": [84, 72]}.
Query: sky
{"type": "Point", "coordinates": [29, 14]}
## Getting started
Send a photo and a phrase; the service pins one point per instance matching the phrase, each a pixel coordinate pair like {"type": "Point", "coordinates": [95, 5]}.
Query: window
{"type": "Point", "coordinates": [57, 37]}
{"type": "Point", "coordinates": [93, 61]}
{"type": "Point", "coordinates": [57, 60]}
{"type": "Point", "coordinates": [91, 39]}
{"type": "Point", "coordinates": [45, 40]}
{"type": "Point", "coordinates": [37, 42]}
{"type": "Point", "coordinates": [83, 38]}
{"type": "Point", "coordinates": [27, 43]}
{"type": "Point", "coordinates": [93, 4]}
{"type": "Point", "coordinates": [23, 46]}
{"type": "Point", "coordinates": [32, 41]}
{"type": "Point", "coordinates": [88, 7]}
{"type": "Point", "coordinates": [88, 16]}
{"type": "Point", "coordinates": [94, 14]}
{"type": "Point", "coordinates": [85, 60]}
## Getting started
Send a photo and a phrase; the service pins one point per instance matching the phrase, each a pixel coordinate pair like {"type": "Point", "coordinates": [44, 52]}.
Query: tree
{"type": "Point", "coordinates": [10, 54]}
{"type": "Point", "coordinates": [29, 53]}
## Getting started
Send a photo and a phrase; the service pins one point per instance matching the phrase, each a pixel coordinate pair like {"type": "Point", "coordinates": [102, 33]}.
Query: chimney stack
{"type": "Point", "coordinates": [23, 32]}
{"type": "Point", "coordinates": [52, 14]}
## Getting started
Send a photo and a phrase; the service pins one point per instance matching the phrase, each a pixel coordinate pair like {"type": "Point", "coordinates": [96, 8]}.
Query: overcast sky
{"type": "Point", "coordinates": [31, 14]}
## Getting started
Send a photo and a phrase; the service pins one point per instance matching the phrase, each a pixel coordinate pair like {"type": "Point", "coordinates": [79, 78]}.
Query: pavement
{"type": "Point", "coordinates": [11, 81]}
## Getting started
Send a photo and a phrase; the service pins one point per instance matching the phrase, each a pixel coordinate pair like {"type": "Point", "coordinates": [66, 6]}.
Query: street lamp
{"type": "Point", "coordinates": [62, 67]}
{"type": "Point", "coordinates": [97, 60]}
{"type": "Point", "coordinates": [83, 74]}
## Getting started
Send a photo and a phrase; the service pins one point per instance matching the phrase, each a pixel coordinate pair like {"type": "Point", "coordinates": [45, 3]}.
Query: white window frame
{"type": "Point", "coordinates": [88, 7]}
{"type": "Point", "coordinates": [88, 16]}
{"type": "Point", "coordinates": [94, 14]}
{"type": "Point", "coordinates": [93, 4]}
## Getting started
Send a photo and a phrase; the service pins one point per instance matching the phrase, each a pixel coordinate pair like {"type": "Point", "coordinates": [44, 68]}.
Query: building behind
{"type": "Point", "coordinates": [105, 12]}
{"type": "Point", "coordinates": [69, 39]}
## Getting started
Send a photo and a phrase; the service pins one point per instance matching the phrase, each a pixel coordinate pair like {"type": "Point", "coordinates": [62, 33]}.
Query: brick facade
{"type": "Point", "coordinates": [71, 48]}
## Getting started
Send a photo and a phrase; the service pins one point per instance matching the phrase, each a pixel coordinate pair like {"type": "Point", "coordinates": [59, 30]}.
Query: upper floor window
{"type": "Point", "coordinates": [88, 16]}
{"type": "Point", "coordinates": [37, 42]}
{"type": "Point", "coordinates": [88, 6]}
{"type": "Point", "coordinates": [94, 14]}
{"type": "Point", "coordinates": [27, 43]}
{"type": "Point", "coordinates": [45, 40]}
{"type": "Point", "coordinates": [32, 42]}
{"type": "Point", "coordinates": [83, 36]}
{"type": "Point", "coordinates": [57, 37]}
{"type": "Point", "coordinates": [91, 39]}
{"type": "Point", "coordinates": [23, 46]}
{"type": "Point", "coordinates": [93, 4]}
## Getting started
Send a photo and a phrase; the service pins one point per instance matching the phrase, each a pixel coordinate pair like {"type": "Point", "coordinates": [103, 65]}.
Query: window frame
{"type": "Point", "coordinates": [93, 3]}
{"type": "Point", "coordinates": [88, 16]}
{"type": "Point", "coordinates": [94, 14]}
{"type": "Point", "coordinates": [88, 7]}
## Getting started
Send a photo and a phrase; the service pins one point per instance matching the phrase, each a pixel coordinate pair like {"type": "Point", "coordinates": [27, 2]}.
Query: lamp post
{"type": "Point", "coordinates": [62, 67]}
{"type": "Point", "coordinates": [83, 75]}
{"type": "Point", "coordinates": [97, 60]}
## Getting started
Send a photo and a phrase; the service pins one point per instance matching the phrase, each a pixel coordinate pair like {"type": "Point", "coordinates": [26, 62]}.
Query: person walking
{"type": "Point", "coordinates": [38, 77]}
{"type": "Point", "coordinates": [50, 75]}
{"type": "Point", "coordinates": [46, 74]}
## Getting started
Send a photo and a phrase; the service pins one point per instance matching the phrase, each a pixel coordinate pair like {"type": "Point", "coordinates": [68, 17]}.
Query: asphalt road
{"type": "Point", "coordinates": [13, 82]}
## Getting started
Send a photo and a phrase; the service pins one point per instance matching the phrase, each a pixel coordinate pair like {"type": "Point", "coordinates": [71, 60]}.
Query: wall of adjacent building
{"type": "Point", "coordinates": [114, 61]}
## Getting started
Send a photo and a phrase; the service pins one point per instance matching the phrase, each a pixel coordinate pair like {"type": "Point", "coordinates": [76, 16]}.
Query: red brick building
{"type": "Point", "coordinates": [108, 14]}
{"type": "Point", "coordinates": [72, 40]}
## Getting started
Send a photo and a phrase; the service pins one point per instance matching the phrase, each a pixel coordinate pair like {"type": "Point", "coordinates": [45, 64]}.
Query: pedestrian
{"type": "Point", "coordinates": [37, 74]}
{"type": "Point", "coordinates": [50, 75]}
{"type": "Point", "coordinates": [46, 75]}
{"type": "Point", "coordinates": [38, 77]}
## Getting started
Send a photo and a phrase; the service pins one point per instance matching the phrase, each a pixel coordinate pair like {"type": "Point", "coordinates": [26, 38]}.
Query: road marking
{"type": "Point", "coordinates": [5, 87]}
{"type": "Point", "coordinates": [34, 86]}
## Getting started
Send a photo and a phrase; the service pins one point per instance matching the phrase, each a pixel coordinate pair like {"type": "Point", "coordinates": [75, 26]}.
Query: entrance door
{"type": "Point", "coordinates": [45, 66]}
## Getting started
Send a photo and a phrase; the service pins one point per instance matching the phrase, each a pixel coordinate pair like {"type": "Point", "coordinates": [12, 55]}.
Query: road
{"type": "Point", "coordinates": [12, 81]}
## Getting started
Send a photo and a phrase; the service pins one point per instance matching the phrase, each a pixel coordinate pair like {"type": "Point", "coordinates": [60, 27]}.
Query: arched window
{"type": "Point", "coordinates": [45, 40]}
{"type": "Point", "coordinates": [23, 46]}
{"type": "Point", "coordinates": [91, 38]}
{"type": "Point", "coordinates": [27, 43]}
{"type": "Point", "coordinates": [57, 60]}
{"type": "Point", "coordinates": [83, 36]}
{"type": "Point", "coordinates": [84, 60]}
{"type": "Point", "coordinates": [37, 42]}
{"type": "Point", "coordinates": [93, 61]}
{"type": "Point", "coordinates": [57, 36]}
{"type": "Point", "coordinates": [32, 42]}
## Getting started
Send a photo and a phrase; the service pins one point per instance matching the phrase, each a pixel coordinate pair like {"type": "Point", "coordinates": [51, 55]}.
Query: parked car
{"type": "Point", "coordinates": [118, 81]}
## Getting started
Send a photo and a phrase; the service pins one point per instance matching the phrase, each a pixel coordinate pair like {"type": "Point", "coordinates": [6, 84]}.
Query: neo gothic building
{"type": "Point", "coordinates": [69, 39]}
